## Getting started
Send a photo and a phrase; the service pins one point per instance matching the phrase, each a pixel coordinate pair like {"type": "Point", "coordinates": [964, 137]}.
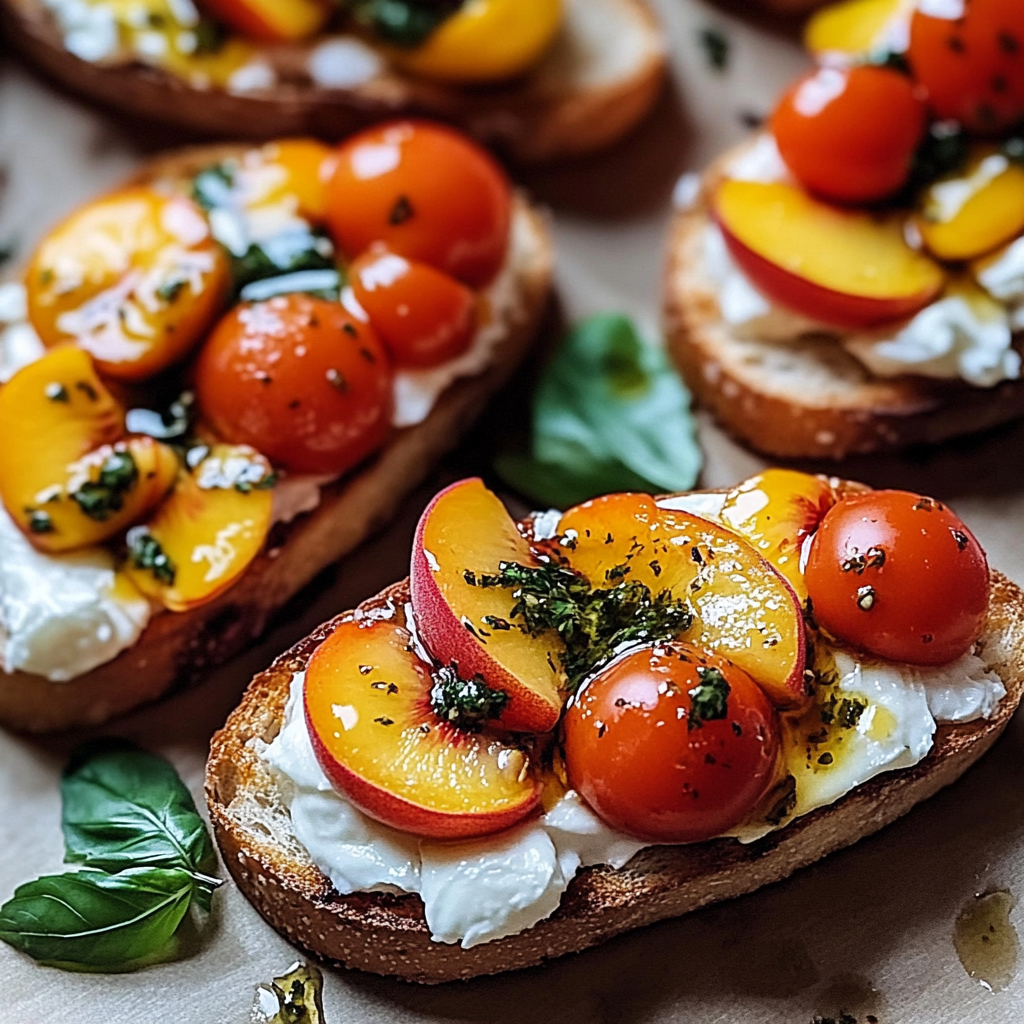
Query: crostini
{"type": "Point", "coordinates": [224, 376]}
{"type": "Point", "coordinates": [852, 280]}
{"type": "Point", "coordinates": [564, 728]}
{"type": "Point", "coordinates": [539, 80]}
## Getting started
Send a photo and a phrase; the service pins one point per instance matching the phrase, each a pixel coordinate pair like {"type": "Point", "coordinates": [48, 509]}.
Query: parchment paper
{"type": "Point", "coordinates": [869, 931]}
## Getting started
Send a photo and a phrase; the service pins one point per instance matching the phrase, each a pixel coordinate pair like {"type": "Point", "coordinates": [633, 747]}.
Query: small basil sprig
{"type": "Point", "coordinates": [146, 855]}
{"type": "Point", "coordinates": [610, 414]}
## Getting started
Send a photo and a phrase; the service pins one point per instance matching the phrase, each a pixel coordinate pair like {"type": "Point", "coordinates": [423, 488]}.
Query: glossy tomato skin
{"type": "Point", "coordinates": [426, 193]}
{"type": "Point", "coordinates": [900, 576]}
{"type": "Point", "coordinates": [300, 379]}
{"type": "Point", "coordinates": [972, 67]}
{"type": "Point", "coordinates": [849, 134]}
{"type": "Point", "coordinates": [424, 316]}
{"type": "Point", "coordinates": [632, 755]}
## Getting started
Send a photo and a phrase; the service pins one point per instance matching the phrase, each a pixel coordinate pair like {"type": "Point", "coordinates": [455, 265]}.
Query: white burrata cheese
{"type": "Point", "coordinates": [473, 891]}
{"type": "Point", "coordinates": [62, 615]}
{"type": "Point", "coordinates": [949, 339]}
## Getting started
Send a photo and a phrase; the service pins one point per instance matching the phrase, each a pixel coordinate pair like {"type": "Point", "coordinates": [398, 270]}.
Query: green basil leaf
{"type": "Point", "coordinates": [124, 807]}
{"type": "Point", "coordinates": [609, 414]}
{"type": "Point", "coordinates": [95, 920]}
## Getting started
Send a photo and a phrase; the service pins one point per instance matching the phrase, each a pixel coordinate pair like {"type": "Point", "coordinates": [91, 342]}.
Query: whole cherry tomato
{"type": "Point", "coordinates": [849, 134]}
{"type": "Point", "coordinates": [970, 60]}
{"type": "Point", "coordinates": [300, 379]}
{"type": "Point", "coordinates": [423, 316]}
{"type": "Point", "coordinates": [425, 192]}
{"type": "Point", "coordinates": [671, 745]}
{"type": "Point", "coordinates": [900, 576]}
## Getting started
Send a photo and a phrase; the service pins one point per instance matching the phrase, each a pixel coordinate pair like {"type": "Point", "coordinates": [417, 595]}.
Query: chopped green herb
{"type": "Point", "coordinates": [285, 256]}
{"type": "Point", "coordinates": [592, 624]}
{"type": "Point", "coordinates": [210, 37]}
{"type": "Point", "coordinates": [844, 712]}
{"type": "Point", "coordinates": [716, 47]}
{"type": "Point", "coordinates": [99, 499]}
{"type": "Point", "coordinates": [172, 425]}
{"type": "Point", "coordinates": [710, 700]}
{"type": "Point", "coordinates": [294, 998]}
{"type": "Point", "coordinates": [402, 22]}
{"type": "Point", "coordinates": [943, 150]}
{"type": "Point", "coordinates": [39, 522]}
{"type": "Point", "coordinates": [466, 703]}
{"type": "Point", "coordinates": [145, 552]}
{"type": "Point", "coordinates": [169, 291]}
{"type": "Point", "coordinates": [214, 186]}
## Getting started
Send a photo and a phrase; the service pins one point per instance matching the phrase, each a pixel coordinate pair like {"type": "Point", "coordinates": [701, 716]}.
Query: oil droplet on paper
{"type": "Point", "coordinates": [986, 941]}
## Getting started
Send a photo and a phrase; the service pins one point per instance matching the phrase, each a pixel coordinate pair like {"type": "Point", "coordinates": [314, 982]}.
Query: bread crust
{"type": "Point", "coordinates": [387, 934]}
{"type": "Point", "coordinates": [854, 413]}
{"type": "Point", "coordinates": [543, 117]}
{"type": "Point", "coordinates": [177, 649]}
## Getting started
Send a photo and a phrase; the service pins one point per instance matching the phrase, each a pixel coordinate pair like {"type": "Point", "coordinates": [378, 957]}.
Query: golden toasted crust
{"type": "Point", "coordinates": [177, 649]}
{"type": "Point", "coordinates": [807, 398]}
{"type": "Point", "coordinates": [573, 103]}
{"type": "Point", "coordinates": [387, 934]}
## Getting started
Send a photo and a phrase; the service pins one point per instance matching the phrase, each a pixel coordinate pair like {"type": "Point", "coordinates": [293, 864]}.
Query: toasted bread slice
{"type": "Point", "coordinates": [808, 398]}
{"type": "Point", "coordinates": [601, 77]}
{"type": "Point", "coordinates": [387, 934]}
{"type": "Point", "coordinates": [178, 648]}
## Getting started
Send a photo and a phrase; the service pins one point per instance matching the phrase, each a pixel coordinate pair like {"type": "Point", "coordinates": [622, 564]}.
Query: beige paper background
{"type": "Point", "coordinates": [868, 931]}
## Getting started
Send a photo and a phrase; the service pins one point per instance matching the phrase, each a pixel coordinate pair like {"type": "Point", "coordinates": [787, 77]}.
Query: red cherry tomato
{"type": "Point", "coordinates": [972, 63]}
{"type": "Point", "coordinates": [301, 380]}
{"type": "Point", "coordinates": [649, 766]}
{"type": "Point", "coordinates": [849, 134]}
{"type": "Point", "coordinates": [900, 576]}
{"type": "Point", "coordinates": [423, 316]}
{"type": "Point", "coordinates": [425, 192]}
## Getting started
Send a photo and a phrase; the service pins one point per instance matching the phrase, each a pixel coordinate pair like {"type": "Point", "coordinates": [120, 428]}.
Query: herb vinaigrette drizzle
{"type": "Point", "coordinates": [594, 624]}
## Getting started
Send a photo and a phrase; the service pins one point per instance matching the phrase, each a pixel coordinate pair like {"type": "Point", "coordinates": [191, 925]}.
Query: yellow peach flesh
{"type": "Point", "coordinates": [367, 700]}
{"type": "Point", "coordinates": [210, 528]}
{"type": "Point", "coordinates": [850, 252]}
{"type": "Point", "coordinates": [968, 214]}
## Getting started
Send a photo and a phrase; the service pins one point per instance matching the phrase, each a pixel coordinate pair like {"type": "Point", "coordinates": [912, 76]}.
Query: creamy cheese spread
{"type": "Point", "coordinates": [484, 889]}
{"type": "Point", "coordinates": [950, 338]}
{"type": "Point", "coordinates": [62, 615]}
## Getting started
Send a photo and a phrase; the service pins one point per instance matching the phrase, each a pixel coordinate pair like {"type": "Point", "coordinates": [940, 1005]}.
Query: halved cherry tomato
{"type": "Point", "coordinates": [301, 380]}
{"type": "Point", "coordinates": [672, 745]}
{"type": "Point", "coordinates": [971, 61]}
{"type": "Point", "coordinates": [849, 134]}
{"type": "Point", "coordinates": [898, 575]}
{"type": "Point", "coordinates": [423, 316]}
{"type": "Point", "coordinates": [425, 192]}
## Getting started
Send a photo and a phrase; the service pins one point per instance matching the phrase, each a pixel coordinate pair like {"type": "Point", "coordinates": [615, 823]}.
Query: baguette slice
{"type": "Point", "coordinates": [807, 398]}
{"type": "Point", "coordinates": [177, 649]}
{"type": "Point", "coordinates": [387, 934]}
{"type": "Point", "coordinates": [600, 78]}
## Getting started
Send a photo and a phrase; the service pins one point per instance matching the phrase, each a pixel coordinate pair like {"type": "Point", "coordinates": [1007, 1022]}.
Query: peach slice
{"type": "Point", "coordinates": [208, 531]}
{"type": "Point", "coordinates": [68, 477]}
{"type": "Point", "coordinates": [370, 709]}
{"type": "Point", "coordinates": [845, 268]}
{"type": "Point", "coordinates": [852, 27]}
{"type": "Point", "coordinates": [744, 608]}
{"type": "Point", "coordinates": [776, 511]}
{"type": "Point", "coordinates": [135, 278]}
{"type": "Point", "coordinates": [972, 212]}
{"type": "Point", "coordinates": [463, 536]}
